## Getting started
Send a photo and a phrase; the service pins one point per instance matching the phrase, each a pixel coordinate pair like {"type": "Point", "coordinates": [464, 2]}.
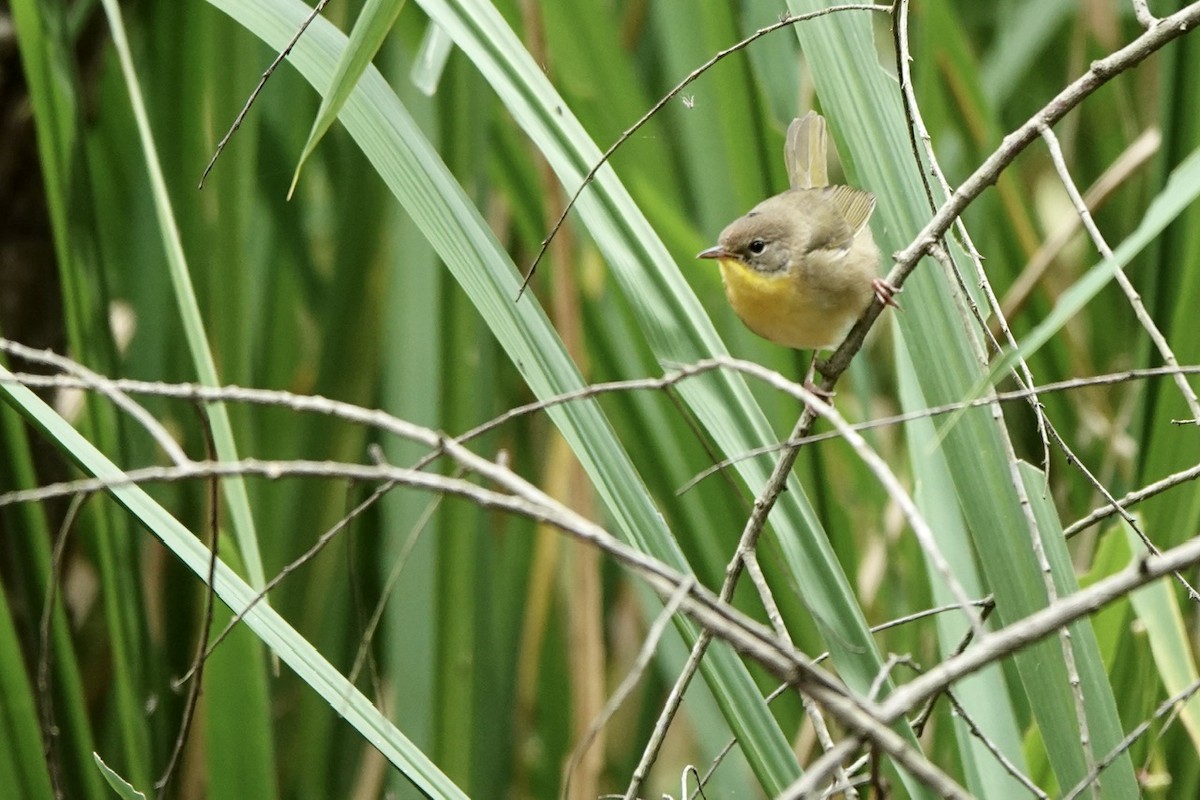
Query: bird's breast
{"type": "Point", "coordinates": [785, 308]}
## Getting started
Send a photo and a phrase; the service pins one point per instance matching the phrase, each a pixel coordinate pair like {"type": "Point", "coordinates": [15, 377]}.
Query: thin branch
{"type": "Point", "coordinates": [1004, 761]}
{"type": "Point", "coordinates": [1036, 626]}
{"type": "Point", "coordinates": [785, 20]}
{"type": "Point", "coordinates": [821, 771]}
{"type": "Point", "coordinates": [814, 407]}
{"type": "Point", "coordinates": [1163, 709]}
{"type": "Point", "coordinates": [1146, 492]}
{"type": "Point", "coordinates": [1027, 631]}
{"type": "Point", "coordinates": [883, 473]}
{"type": "Point", "coordinates": [906, 260]}
{"type": "Point", "coordinates": [667, 715]}
{"type": "Point", "coordinates": [1142, 12]}
{"type": "Point", "coordinates": [387, 423]}
{"type": "Point", "coordinates": [393, 578]}
{"type": "Point", "coordinates": [1100, 72]}
{"type": "Point", "coordinates": [527, 501]}
{"type": "Point", "coordinates": [846, 788]}
{"type": "Point", "coordinates": [759, 579]}
{"type": "Point", "coordinates": [315, 548]}
{"type": "Point", "coordinates": [1135, 300]}
{"type": "Point", "coordinates": [210, 594]}
{"type": "Point", "coordinates": [262, 82]}
{"type": "Point", "coordinates": [1021, 371]}
{"type": "Point", "coordinates": [382, 421]}
{"type": "Point", "coordinates": [926, 713]}
{"type": "Point", "coordinates": [934, 411]}
{"type": "Point", "coordinates": [813, 711]}
{"type": "Point", "coordinates": [745, 635]}
{"type": "Point", "coordinates": [45, 650]}
{"type": "Point", "coordinates": [1117, 508]}
{"type": "Point", "coordinates": [1134, 157]}
{"type": "Point", "coordinates": [622, 692]}
{"type": "Point", "coordinates": [99, 383]}
{"type": "Point", "coordinates": [712, 767]}
{"type": "Point", "coordinates": [985, 604]}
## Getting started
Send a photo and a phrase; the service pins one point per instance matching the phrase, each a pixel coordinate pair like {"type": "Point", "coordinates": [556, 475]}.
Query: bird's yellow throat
{"type": "Point", "coordinates": [776, 307]}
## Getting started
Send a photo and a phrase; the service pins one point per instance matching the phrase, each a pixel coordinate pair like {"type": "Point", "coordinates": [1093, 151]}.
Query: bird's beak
{"type": "Point", "coordinates": [713, 252]}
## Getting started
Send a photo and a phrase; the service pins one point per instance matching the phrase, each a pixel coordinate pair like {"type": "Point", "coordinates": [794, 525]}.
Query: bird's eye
{"type": "Point", "coordinates": [757, 246]}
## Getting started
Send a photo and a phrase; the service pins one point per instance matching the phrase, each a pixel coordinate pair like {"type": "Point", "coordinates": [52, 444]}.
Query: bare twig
{"type": "Point", "coordinates": [912, 109]}
{"type": "Point", "coordinates": [813, 711]}
{"type": "Point", "coordinates": [45, 650]}
{"type": "Point", "coordinates": [202, 651]}
{"type": "Point", "coordinates": [906, 260]}
{"type": "Point", "coordinates": [1004, 761]}
{"type": "Point", "coordinates": [933, 411]}
{"type": "Point", "coordinates": [1038, 625]}
{"type": "Point", "coordinates": [1099, 73]}
{"type": "Point", "coordinates": [883, 626]}
{"type": "Point", "coordinates": [389, 586]}
{"type": "Point", "coordinates": [1146, 492]}
{"type": "Point", "coordinates": [382, 421]}
{"type": "Point", "coordinates": [91, 380]}
{"type": "Point", "coordinates": [1142, 12]}
{"type": "Point", "coordinates": [526, 500]}
{"type": "Point", "coordinates": [821, 771]}
{"type": "Point", "coordinates": [1163, 709]}
{"type": "Point", "coordinates": [1131, 293]}
{"type": "Point", "coordinates": [622, 692]}
{"type": "Point", "coordinates": [858, 715]}
{"type": "Point", "coordinates": [1023, 374]}
{"type": "Point", "coordinates": [754, 570]}
{"type": "Point", "coordinates": [1007, 640]}
{"type": "Point", "coordinates": [316, 547]}
{"type": "Point", "coordinates": [883, 474]}
{"type": "Point", "coordinates": [262, 82]}
{"type": "Point", "coordinates": [667, 715]}
{"type": "Point", "coordinates": [785, 20]}
{"type": "Point", "coordinates": [814, 406]}
{"type": "Point", "coordinates": [1134, 157]}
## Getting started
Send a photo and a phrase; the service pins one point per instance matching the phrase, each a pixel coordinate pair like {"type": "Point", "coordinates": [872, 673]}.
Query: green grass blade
{"type": "Point", "coordinates": [22, 767]}
{"type": "Point", "coordinates": [1103, 721]}
{"type": "Point", "coordinates": [370, 29]}
{"type": "Point", "coordinates": [1182, 189]}
{"type": "Point", "coordinates": [985, 695]}
{"type": "Point", "coordinates": [189, 308]}
{"type": "Point", "coordinates": [675, 325]}
{"type": "Point", "coordinates": [122, 787]}
{"type": "Point", "coordinates": [414, 172]}
{"type": "Point", "coordinates": [863, 105]}
{"type": "Point", "coordinates": [56, 98]}
{"type": "Point", "coordinates": [1159, 611]}
{"type": "Point", "coordinates": [292, 648]}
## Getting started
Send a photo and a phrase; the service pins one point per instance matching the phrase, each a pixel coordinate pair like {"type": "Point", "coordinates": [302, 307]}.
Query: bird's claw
{"type": "Point", "coordinates": [826, 395]}
{"type": "Point", "coordinates": [885, 293]}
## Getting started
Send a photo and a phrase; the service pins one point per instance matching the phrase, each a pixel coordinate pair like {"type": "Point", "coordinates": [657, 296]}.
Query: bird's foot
{"type": "Point", "coordinates": [810, 382]}
{"type": "Point", "coordinates": [825, 395]}
{"type": "Point", "coordinates": [885, 292]}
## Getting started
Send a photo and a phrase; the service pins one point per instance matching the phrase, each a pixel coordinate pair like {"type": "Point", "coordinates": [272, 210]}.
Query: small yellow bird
{"type": "Point", "coordinates": [801, 267]}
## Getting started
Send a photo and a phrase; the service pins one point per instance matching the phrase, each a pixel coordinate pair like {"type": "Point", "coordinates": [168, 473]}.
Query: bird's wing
{"type": "Point", "coordinates": [804, 152]}
{"type": "Point", "coordinates": [855, 205]}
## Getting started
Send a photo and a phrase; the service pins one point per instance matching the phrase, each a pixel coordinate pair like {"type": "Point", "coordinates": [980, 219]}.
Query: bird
{"type": "Point", "coordinates": [802, 266]}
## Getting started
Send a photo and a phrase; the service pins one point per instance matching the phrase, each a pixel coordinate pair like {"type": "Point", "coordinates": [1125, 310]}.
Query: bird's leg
{"type": "Point", "coordinates": [885, 292]}
{"type": "Point", "coordinates": [811, 385]}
